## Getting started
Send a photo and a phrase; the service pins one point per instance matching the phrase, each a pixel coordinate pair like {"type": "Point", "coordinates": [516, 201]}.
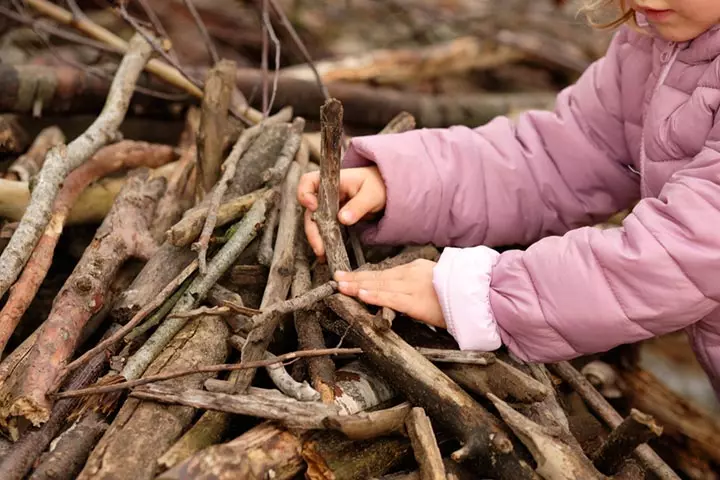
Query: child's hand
{"type": "Point", "coordinates": [362, 188]}
{"type": "Point", "coordinates": [407, 289]}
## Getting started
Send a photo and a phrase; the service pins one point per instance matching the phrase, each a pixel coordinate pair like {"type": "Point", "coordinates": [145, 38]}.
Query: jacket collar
{"type": "Point", "coordinates": [703, 48]}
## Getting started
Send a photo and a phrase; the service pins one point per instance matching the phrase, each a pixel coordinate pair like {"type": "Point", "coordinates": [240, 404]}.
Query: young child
{"type": "Point", "coordinates": [640, 124]}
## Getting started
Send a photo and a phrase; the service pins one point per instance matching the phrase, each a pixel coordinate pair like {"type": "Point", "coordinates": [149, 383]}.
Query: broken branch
{"type": "Point", "coordinates": [636, 429]}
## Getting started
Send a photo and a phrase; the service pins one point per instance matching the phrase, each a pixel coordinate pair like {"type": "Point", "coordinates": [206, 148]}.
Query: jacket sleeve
{"type": "Point", "coordinates": [508, 182]}
{"type": "Point", "coordinates": [591, 290]}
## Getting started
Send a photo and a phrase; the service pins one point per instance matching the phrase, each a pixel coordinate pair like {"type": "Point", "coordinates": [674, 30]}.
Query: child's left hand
{"type": "Point", "coordinates": [407, 289]}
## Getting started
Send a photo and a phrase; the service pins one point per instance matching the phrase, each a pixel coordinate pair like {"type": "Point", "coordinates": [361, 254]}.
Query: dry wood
{"type": "Point", "coordinates": [247, 230]}
{"type": "Point", "coordinates": [126, 154]}
{"type": "Point", "coordinates": [281, 378]}
{"type": "Point", "coordinates": [411, 65]}
{"type": "Point", "coordinates": [208, 430]}
{"type": "Point", "coordinates": [261, 155]}
{"type": "Point", "coordinates": [23, 454]}
{"type": "Point", "coordinates": [143, 431]}
{"type": "Point", "coordinates": [290, 412]}
{"type": "Point", "coordinates": [123, 234]}
{"type": "Point", "coordinates": [229, 367]}
{"type": "Point", "coordinates": [265, 249]}
{"type": "Point", "coordinates": [279, 278]}
{"type": "Point", "coordinates": [117, 336]}
{"type": "Point", "coordinates": [425, 447]}
{"type": "Point", "coordinates": [274, 175]}
{"type": "Point", "coordinates": [499, 378]}
{"type": "Point", "coordinates": [91, 208]}
{"type": "Point", "coordinates": [219, 296]}
{"type": "Point", "coordinates": [457, 356]}
{"type": "Point", "coordinates": [70, 451]}
{"type": "Point", "coordinates": [270, 450]}
{"type": "Point", "coordinates": [556, 460]}
{"type": "Point", "coordinates": [676, 414]}
{"type": "Point", "coordinates": [60, 161]}
{"type": "Point", "coordinates": [185, 231]}
{"type": "Point", "coordinates": [636, 429]}
{"type": "Point", "coordinates": [402, 122]}
{"type": "Point", "coordinates": [230, 165]}
{"type": "Point", "coordinates": [310, 336]}
{"type": "Point", "coordinates": [331, 130]}
{"type": "Point", "coordinates": [179, 195]}
{"type": "Point", "coordinates": [610, 416]}
{"type": "Point", "coordinates": [28, 165]}
{"type": "Point", "coordinates": [13, 139]}
{"type": "Point", "coordinates": [213, 124]}
{"type": "Point", "coordinates": [375, 424]}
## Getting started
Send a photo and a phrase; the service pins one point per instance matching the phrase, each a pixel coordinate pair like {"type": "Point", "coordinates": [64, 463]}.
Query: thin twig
{"type": "Point", "coordinates": [227, 367]}
{"type": "Point", "coordinates": [276, 42]}
{"type": "Point", "coordinates": [137, 318]}
{"type": "Point", "coordinates": [610, 416]}
{"type": "Point", "coordinates": [212, 311]}
{"type": "Point", "coordinates": [303, 49]}
{"type": "Point", "coordinates": [218, 192]}
{"type": "Point", "coordinates": [203, 31]}
{"type": "Point", "coordinates": [157, 24]}
{"type": "Point", "coordinates": [61, 161]}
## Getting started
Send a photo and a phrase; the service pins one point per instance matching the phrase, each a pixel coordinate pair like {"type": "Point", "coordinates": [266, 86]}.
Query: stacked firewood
{"type": "Point", "coordinates": [192, 334]}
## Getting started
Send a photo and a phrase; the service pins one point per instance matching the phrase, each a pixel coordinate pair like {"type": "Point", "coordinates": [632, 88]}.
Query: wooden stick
{"type": "Point", "coordinates": [28, 165]}
{"type": "Point", "coordinates": [186, 231]}
{"type": "Point", "coordinates": [279, 278]}
{"type": "Point", "coordinates": [230, 165]}
{"type": "Point", "coordinates": [136, 320]}
{"type": "Point", "coordinates": [611, 417]}
{"type": "Point", "coordinates": [213, 125]}
{"type": "Point", "coordinates": [310, 336]}
{"type": "Point", "coordinates": [125, 154]}
{"type": "Point", "coordinates": [425, 447]}
{"type": "Point", "coordinates": [23, 454]}
{"type": "Point", "coordinates": [425, 385]}
{"type": "Point", "coordinates": [499, 378]}
{"type": "Point", "coordinates": [124, 234]}
{"type": "Point", "coordinates": [280, 377]}
{"type": "Point", "coordinates": [331, 130]}
{"type": "Point", "coordinates": [196, 292]}
{"type": "Point", "coordinates": [209, 369]}
{"type": "Point", "coordinates": [636, 429]}
{"type": "Point", "coordinates": [142, 431]}
{"type": "Point", "coordinates": [61, 161]}
{"type": "Point", "coordinates": [555, 459]}
{"type": "Point", "coordinates": [457, 356]}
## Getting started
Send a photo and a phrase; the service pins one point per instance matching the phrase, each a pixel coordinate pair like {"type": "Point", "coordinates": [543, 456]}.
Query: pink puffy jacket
{"type": "Point", "coordinates": [639, 124]}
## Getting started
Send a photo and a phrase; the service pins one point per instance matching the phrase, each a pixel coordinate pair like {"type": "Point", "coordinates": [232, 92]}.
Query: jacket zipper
{"type": "Point", "coordinates": [661, 79]}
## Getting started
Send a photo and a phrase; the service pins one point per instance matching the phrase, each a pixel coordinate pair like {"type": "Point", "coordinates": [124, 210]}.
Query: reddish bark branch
{"type": "Point", "coordinates": [123, 234]}
{"type": "Point", "coordinates": [126, 154]}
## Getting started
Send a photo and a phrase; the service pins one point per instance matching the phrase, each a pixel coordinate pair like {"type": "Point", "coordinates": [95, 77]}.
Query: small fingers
{"type": "Point", "coordinates": [307, 190]}
{"type": "Point", "coordinates": [400, 302]}
{"type": "Point", "coordinates": [313, 235]}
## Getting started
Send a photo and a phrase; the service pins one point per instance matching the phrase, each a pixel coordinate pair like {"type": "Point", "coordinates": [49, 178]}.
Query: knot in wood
{"type": "Point", "coordinates": [83, 284]}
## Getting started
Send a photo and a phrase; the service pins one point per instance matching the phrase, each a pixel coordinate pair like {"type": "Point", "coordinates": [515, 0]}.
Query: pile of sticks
{"type": "Point", "coordinates": [197, 337]}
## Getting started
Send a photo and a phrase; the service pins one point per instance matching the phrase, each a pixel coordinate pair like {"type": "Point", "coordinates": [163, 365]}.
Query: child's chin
{"type": "Point", "coordinates": [679, 33]}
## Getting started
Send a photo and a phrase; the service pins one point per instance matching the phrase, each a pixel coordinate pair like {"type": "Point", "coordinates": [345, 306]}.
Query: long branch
{"type": "Point", "coordinates": [61, 161]}
{"type": "Point", "coordinates": [227, 367]}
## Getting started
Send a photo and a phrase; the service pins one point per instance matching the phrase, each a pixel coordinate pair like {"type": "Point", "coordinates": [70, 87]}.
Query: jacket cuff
{"type": "Point", "coordinates": [462, 282]}
{"type": "Point", "coordinates": [408, 216]}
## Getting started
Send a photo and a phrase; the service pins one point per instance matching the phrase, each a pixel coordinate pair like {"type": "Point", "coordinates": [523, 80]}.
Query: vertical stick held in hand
{"type": "Point", "coordinates": [331, 117]}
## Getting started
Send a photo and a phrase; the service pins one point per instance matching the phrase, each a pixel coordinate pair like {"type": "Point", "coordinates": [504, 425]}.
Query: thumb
{"type": "Point", "coordinates": [366, 201]}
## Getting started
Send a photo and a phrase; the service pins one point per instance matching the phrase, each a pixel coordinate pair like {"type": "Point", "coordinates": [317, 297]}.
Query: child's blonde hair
{"type": "Point", "coordinates": [593, 9]}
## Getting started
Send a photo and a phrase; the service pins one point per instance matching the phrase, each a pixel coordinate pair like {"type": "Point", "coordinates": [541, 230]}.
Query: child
{"type": "Point", "coordinates": [640, 124]}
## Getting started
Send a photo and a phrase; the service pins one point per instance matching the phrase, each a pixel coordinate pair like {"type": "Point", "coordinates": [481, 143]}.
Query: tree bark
{"type": "Point", "coordinates": [123, 234]}
{"type": "Point", "coordinates": [213, 124]}
{"type": "Point", "coordinates": [143, 431]}
{"type": "Point", "coordinates": [636, 429]}
{"type": "Point", "coordinates": [425, 448]}
{"type": "Point", "coordinates": [29, 164]}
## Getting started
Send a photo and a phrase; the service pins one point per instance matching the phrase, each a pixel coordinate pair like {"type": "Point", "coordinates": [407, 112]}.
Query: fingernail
{"type": "Point", "coordinates": [343, 285]}
{"type": "Point", "coordinates": [340, 274]}
{"type": "Point", "coordinates": [346, 216]}
{"type": "Point", "coordinates": [364, 293]}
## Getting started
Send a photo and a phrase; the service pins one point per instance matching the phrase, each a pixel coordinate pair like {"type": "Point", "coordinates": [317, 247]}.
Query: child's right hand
{"type": "Point", "coordinates": [362, 191]}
